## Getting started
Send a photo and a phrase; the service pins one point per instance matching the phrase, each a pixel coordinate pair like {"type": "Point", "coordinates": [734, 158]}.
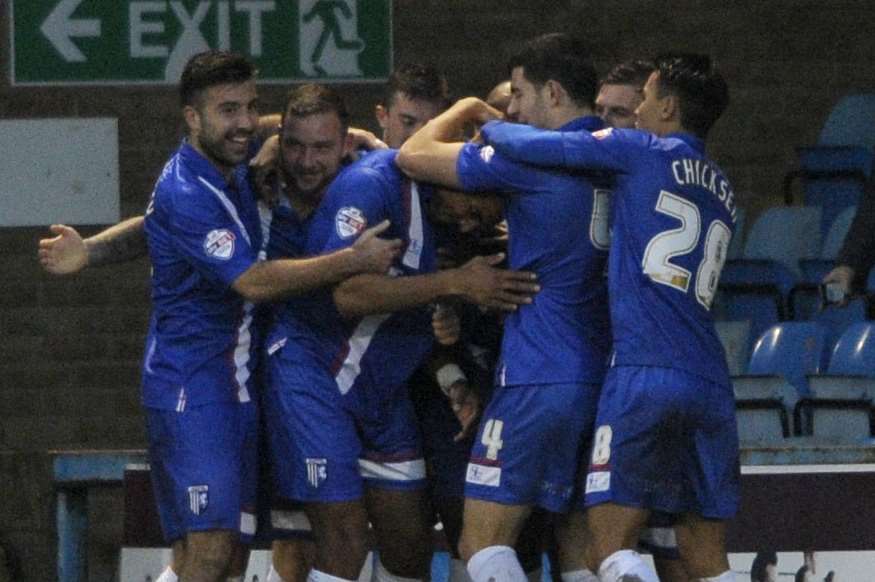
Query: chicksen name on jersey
{"type": "Point", "coordinates": [694, 172]}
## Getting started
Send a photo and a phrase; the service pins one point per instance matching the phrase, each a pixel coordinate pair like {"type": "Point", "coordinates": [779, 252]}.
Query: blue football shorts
{"type": "Point", "coordinates": [204, 463]}
{"type": "Point", "coordinates": [327, 446]}
{"type": "Point", "coordinates": [665, 440]}
{"type": "Point", "coordinates": [530, 445]}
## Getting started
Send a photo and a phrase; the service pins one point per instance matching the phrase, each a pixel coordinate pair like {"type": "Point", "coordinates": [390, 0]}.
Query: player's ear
{"type": "Point", "coordinates": [348, 144]}
{"type": "Point", "coordinates": [192, 119]}
{"type": "Point", "coordinates": [669, 107]}
{"type": "Point", "coordinates": [555, 92]}
{"type": "Point", "coordinates": [382, 115]}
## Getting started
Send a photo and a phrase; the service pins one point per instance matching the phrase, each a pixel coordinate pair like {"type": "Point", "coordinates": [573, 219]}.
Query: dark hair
{"type": "Point", "coordinates": [417, 81]}
{"type": "Point", "coordinates": [561, 58]}
{"type": "Point", "coordinates": [700, 88]}
{"type": "Point", "coordinates": [632, 72]}
{"type": "Point", "coordinates": [312, 98]}
{"type": "Point", "coordinates": [758, 568]}
{"type": "Point", "coordinates": [211, 68]}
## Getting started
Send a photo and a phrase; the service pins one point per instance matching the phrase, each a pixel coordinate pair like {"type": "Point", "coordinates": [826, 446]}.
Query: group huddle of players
{"type": "Point", "coordinates": [511, 334]}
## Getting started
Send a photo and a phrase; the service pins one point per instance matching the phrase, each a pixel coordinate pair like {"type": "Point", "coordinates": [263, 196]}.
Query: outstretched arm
{"type": "Point", "coordinates": [478, 281]}
{"type": "Point", "coordinates": [67, 252]}
{"type": "Point", "coordinates": [431, 153]}
{"type": "Point", "coordinates": [607, 149]}
{"type": "Point", "coordinates": [273, 280]}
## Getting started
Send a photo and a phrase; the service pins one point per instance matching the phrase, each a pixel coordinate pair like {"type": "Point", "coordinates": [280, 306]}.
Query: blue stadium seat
{"type": "Point", "coordinates": [839, 405]}
{"type": "Point", "coordinates": [792, 349]}
{"type": "Point", "coordinates": [834, 171]}
{"type": "Point", "coordinates": [837, 320]}
{"type": "Point", "coordinates": [854, 352]}
{"type": "Point", "coordinates": [756, 286]}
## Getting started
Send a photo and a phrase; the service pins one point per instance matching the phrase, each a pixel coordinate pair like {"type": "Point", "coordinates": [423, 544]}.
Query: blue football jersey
{"type": "Point", "coordinates": [558, 226]}
{"type": "Point", "coordinates": [673, 216]}
{"type": "Point", "coordinates": [203, 233]}
{"type": "Point", "coordinates": [379, 351]}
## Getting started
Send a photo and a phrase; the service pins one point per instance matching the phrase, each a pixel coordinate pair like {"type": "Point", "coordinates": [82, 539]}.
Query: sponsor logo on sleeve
{"type": "Point", "coordinates": [198, 498]}
{"type": "Point", "coordinates": [219, 244]}
{"type": "Point", "coordinates": [486, 153]}
{"type": "Point", "coordinates": [350, 222]}
{"type": "Point", "coordinates": [602, 133]}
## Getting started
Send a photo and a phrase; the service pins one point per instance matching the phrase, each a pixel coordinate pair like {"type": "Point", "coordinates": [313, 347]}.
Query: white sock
{"type": "Point", "coordinates": [727, 576]}
{"type": "Point", "coordinates": [579, 576]}
{"type": "Point", "coordinates": [319, 576]}
{"type": "Point", "coordinates": [168, 575]}
{"type": "Point", "coordinates": [619, 565]}
{"type": "Point", "coordinates": [496, 564]}
{"type": "Point", "coordinates": [273, 575]}
{"type": "Point", "coordinates": [458, 571]}
{"type": "Point", "coordinates": [381, 574]}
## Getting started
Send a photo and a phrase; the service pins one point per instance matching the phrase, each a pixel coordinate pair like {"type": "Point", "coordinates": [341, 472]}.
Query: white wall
{"type": "Point", "coordinates": [59, 170]}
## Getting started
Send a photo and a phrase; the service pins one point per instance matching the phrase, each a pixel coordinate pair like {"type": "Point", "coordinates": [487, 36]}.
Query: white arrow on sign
{"type": "Point", "coordinates": [59, 28]}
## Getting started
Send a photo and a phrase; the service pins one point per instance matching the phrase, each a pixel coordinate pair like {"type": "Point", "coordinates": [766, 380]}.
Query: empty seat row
{"type": "Point", "coordinates": [796, 386]}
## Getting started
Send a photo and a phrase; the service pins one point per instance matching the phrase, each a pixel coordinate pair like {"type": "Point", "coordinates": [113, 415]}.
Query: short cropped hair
{"type": "Point", "coordinates": [700, 88]}
{"type": "Point", "coordinates": [313, 98]}
{"type": "Point", "coordinates": [417, 81]}
{"type": "Point", "coordinates": [211, 68]}
{"type": "Point", "coordinates": [633, 72]}
{"type": "Point", "coordinates": [561, 58]}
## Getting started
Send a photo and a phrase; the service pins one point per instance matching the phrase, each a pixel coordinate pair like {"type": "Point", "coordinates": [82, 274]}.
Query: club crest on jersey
{"type": "Point", "coordinates": [486, 153]}
{"type": "Point", "coordinates": [198, 498]}
{"type": "Point", "coordinates": [317, 471]}
{"type": "Point", "coordinates": [219, 244]}
{"type": "Point", "coordinates": [602, 133]}
{"type": "Point", "coordinates": [349, 221]}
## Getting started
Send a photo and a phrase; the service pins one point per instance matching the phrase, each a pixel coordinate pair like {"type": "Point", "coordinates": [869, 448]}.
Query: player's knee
{"type": "Point", "coordinates": [209, 553]}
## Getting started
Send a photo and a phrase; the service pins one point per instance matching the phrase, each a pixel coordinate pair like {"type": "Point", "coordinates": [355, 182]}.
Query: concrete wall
{"type": "Point", "coordinates": [70, 348]}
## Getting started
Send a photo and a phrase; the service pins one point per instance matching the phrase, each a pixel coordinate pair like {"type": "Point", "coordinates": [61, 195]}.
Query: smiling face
{"type": "Point", "coordinates": [312, 149]}
{"type": "Point", "coordinates": [222, 123]}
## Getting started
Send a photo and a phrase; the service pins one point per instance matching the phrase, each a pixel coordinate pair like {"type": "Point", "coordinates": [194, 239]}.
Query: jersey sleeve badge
{"type": "Point", "coordinates": [219, 244]}
{"type": "Point", "coordinates": [349, 221]}
{"type": "Point", "coordinates": [486, 153]}
{"type": "Point", "coordinates": [602, 133]}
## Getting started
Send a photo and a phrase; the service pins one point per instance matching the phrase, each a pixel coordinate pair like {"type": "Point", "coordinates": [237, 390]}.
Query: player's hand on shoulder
{"type": "Point", "coordinates": [65, 253]}
{"type": "Point", "coordinates": [485, 284]}
{"type": "Point", "coordinates": [264, 167]}
{"type": "Point", "coordinates": [362, 139]}
{"type": "Point", "coordinates": [375, 254]}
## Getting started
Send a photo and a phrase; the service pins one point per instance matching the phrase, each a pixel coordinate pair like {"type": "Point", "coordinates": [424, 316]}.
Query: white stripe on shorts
{"type": "Point", "coordinates": [405, 471]}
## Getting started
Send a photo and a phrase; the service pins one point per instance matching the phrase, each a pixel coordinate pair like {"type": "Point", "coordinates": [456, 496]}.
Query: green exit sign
{"type": "Point", "coordinates": [119, 42]}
